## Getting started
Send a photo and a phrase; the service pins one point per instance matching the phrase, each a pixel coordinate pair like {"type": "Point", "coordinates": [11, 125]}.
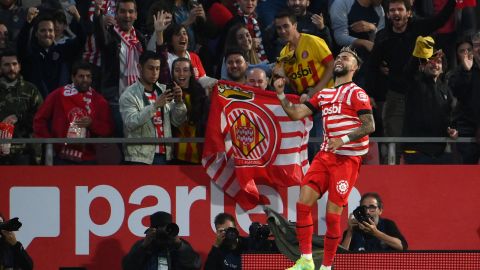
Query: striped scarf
{"type": "Point", "coordinates": [134, 49]}
{"type": "Point", "coordinates": [254, 29]}
{"type": "Point", "coordinates": [91, 52]}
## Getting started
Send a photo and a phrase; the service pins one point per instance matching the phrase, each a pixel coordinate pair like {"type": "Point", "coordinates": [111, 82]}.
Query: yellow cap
{"type": "Point", "coordinates": [424, 47]}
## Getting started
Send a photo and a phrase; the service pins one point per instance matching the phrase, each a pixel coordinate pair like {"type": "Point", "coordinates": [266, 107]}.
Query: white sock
{"type": "Point", "coordinates": [323, 267]}
{"type": "Point", "coordinates": [307, 256]}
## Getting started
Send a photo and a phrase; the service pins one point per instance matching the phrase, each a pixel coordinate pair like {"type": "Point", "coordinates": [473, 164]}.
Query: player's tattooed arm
{"type": "Point", "coordinates": [367, 127]}
{"type": "Point", "coordinates": [295, 111]}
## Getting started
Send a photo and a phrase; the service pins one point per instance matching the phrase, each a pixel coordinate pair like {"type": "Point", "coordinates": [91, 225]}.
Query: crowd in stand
{"type": "Point", "coordinates": [139, 69]}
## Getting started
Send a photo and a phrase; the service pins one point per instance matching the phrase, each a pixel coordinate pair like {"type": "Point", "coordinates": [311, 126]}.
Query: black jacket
{"type": "Point", "coordinates": [396, 49]}
{"type": "Point", "coordinates": [181, 258]}
{"type": "Point", "coordinates": [15, 256]}
{"type": "Point", "coordinates": [465, 87]}
{"type": "Point", "coordinates": [221, 258]}
{"type": "Point", "coordinates": [365, 242]}
{"type": "Point", "coordinates": [48, 69]}
{"type": "Point", "coordinates": [428, 108]}
{"type": "Point", "coordinates": [109, 43]}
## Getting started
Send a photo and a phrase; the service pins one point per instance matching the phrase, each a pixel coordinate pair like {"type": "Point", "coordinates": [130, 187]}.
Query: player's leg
{"type": "Point", "coordinates": [333, 234]}
{"type": "Point", "coordinates": [310, 192]}
{"type": "Point", "coordinates": [342, 179]}
{"type": "Point", "coordinates": [304, 227]}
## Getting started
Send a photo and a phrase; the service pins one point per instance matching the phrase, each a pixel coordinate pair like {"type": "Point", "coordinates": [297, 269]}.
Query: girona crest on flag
{"type": "Point", "coordinates": [247, 134]}
{"type": "Point", "coordinates": [253, 132]}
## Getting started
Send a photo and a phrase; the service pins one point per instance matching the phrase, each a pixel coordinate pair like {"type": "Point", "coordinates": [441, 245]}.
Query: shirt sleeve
{"type": "Point", "coordinates": [361, 102]}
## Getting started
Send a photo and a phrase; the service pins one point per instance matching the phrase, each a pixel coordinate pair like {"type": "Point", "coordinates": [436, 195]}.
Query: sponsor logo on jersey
{"type": "Point", "coordinates": [334, 109]}
{"type": "Point", "coordinates": [300, 73]}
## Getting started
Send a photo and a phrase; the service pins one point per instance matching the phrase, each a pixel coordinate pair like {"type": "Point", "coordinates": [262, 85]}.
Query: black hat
{"type": "Point", "coordinates": [160, 219]}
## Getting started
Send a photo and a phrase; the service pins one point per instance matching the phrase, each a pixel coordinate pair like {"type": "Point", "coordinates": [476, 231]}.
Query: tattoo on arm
{"type": "Point", "coordinates": [367, 127]}
{"type": "Point", "coordinates": [295, 111]}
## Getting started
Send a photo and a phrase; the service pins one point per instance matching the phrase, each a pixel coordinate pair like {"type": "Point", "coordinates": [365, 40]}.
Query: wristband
{"type": "Point", "coordinates": [281, 96]}
{"type": "Point", "coordinates": [345, 139]}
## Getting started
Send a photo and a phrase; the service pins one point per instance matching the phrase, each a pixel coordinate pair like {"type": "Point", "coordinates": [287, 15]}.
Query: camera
{"type": "Point", "coordinates": [167, 232]}
{"type": "Point", "coordinates": [259, 231]}
{"type": "Point", "coordinates": [11, 225]}
{"type": "Point", "coordinates": [231, 234]}
{"type": "Point", "coordinates": [361, 214]}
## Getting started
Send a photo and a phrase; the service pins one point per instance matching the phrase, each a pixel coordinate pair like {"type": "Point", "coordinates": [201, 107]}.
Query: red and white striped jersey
{"type": "Point", "coordinates": [340, 109]}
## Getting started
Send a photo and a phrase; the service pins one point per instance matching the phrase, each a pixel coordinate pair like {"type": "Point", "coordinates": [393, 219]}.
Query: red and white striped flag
{"type": "Point", "coordinates": [249, 139]}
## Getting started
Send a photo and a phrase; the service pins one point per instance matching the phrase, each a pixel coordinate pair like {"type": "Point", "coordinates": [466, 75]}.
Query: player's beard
{"type": "Point", "coordinates": [341, 72]}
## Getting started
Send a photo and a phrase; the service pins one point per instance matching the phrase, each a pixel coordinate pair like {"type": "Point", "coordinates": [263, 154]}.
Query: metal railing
{"type": "Point", "coordinates": [391, 142]}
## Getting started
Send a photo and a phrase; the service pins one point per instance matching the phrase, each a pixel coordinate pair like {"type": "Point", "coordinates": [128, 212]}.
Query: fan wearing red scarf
{"type": "Point", "coordinates": [74, 111]}
{"type": "Point", "coordinates": [120, 45]}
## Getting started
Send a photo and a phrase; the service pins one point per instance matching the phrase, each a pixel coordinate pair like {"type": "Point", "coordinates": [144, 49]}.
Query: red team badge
{"type": "Point", "coordinates": [253, 132]}
{"type": "Point", "coordinates": [362, 96]}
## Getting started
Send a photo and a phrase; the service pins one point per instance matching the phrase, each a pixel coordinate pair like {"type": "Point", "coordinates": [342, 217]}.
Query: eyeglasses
{"type": "Point", "coordinates": [371, 207]}
{"type": "Point", "coordinates": [463, 51]}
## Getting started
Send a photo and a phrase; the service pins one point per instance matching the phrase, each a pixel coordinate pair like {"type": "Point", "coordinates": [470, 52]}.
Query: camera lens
{"type": "Point", "coordinates": [231, 233]}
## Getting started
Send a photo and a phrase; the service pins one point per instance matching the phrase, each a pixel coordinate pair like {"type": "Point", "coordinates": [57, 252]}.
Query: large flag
{"type": "Point", "coordinates": [250, 138]}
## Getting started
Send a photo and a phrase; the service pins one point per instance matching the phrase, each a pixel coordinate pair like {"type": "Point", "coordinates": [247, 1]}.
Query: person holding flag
{"type": "Point", "coordinates": [347, 118]}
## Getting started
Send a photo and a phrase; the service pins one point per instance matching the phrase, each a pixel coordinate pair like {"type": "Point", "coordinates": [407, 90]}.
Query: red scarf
{"type": "Point", "coordinates": [134, 49]}
{"type": "Point", "coordinates": [75, 105]}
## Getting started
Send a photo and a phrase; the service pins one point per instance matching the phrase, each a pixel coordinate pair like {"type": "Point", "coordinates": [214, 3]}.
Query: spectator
{"type": "Point", "coordinates": [228, 246]}
{"type": "Point", "coordinates": [192, 16]}
{"type": "Point", "coordinates": [176, 43]}
{"type": "Point", "coordinates": [355, 23]}
{"type": "Point", "coordinates": [74, 111]}
{"type": "Point", "coordinates": [149, 110]}
{"type": "Point", "coordinates": [236, 66]}
{"type": "Point", "coordinates": [378, 234]}
{"type": "Point", "coordinates": [12, 253]}
{"type": "Point", "coordinates": [238, 37]}
{"type": "Point", "coordinates": [62, 33]}
{"type": "Point", "coordinates": [392, 48]}
{"type": "Point", "coordinates": [197, 104]}
{"type": "Point", "coordinates": [465, 85]}
{"type": "Point", "coordinates": [91, 52]}
{"type": "Point", "coordinates": [120, 45]}
{"type": "Point", "coordinates": [308, 65]}
{"type": "Point", "coordinates": [305, 78]}
{"type": "Point", "coordinates": [45, 63]}
{"type": "Point", "coordinates": [245, 14]}
{"type": "Point", "coordinates": [161, 249]}
{"type": "Point", "coordinates": [428, 105]}
{"type": "Point", "coordinates": [21, 101]}
{"type": "Point", "coordinates": [256, 77]}
{"type": "Point", "coordinates": [5, 43]}
{"type": "Point", "coordinates": [13, 15]}
{"type": "Point", "coordinates": [307, 22]}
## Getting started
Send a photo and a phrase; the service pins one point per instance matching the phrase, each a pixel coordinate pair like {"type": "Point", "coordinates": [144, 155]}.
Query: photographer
{"type": "Point", "coordinates": [374, 233]}
{"type": "Point", "coordinates": [228, 246]}
{"type": "Point", "coordinates": [12, 254]}
{"type": "Point", "coordinates": [162, 248]}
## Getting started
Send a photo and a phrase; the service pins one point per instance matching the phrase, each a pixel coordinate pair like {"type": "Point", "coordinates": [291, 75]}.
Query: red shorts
{"type": "Point", "coordinates": [334, 173]}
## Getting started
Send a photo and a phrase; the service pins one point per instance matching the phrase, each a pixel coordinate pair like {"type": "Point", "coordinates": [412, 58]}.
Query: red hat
{"type": "Point", "coordinates": [219, 14]}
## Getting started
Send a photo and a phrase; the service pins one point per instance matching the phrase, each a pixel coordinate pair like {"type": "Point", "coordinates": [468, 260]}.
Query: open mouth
{"type": "Point", "coordinates": [181, 80]}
